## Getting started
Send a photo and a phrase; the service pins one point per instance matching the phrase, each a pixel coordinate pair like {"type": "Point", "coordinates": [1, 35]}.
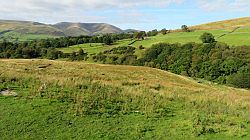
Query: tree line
{"type": "Point", "coordinates": [46, 48]}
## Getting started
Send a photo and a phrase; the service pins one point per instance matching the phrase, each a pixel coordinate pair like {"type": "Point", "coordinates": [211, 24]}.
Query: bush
{"type": "Point", "coordinates": [240, 80]}
{"type": "Point", "coordinates": [207, 38]}
{"type": "Point", "coordinates": [141, 47]}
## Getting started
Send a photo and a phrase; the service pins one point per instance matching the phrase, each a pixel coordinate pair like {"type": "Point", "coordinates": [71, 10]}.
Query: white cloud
{"type": "Point", "coordinates": [72, 10]}
{"type": "Point", "coordinates": [83, 4]}
{"type": "Point", "coordinates": [225, 5]}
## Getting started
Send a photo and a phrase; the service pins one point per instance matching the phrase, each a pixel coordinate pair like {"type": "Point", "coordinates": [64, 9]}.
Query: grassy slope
{"type": "Point", "coordinates": [26, 31]}
{"type": "Point", "coordinates": [92, 48]}
{"type": "Point", "coordinates": [225, 24]}
{"type": "Point", "coordinates": [187, 109]}
{"type": "Point", "coordinates": [12, 36]}
{"type": "Point", "coordinates": [240, 37]}
{"type": "Point", "coordinates": [237, 38]}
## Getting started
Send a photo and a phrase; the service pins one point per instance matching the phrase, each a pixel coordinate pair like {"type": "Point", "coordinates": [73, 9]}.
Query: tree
{"type": "Point", "coordinates": [140, 35]}
{"type": "Point", "coordinates": [107, 39]}
{"type": "Point", "coordinates": [241, 79]}
{"type": "Point", "coordinates": [81, 52]}
{"type": "Point", "coordinates": [81, 55]}
{"type": "Point", "coordinates": [207, 38]}
{"type": "Point", "coordinates": [141, 47]}
{"type": "Point", "coordinates": [164, 31]}
{"type": "Point", "coordinates": [152, 33]}
{"type": "Point", "coordinates": [73, 56]}
{"type": "Point", "coordinates": [53, 54]}
{"type": "Point", "coordinates": [185, 28]}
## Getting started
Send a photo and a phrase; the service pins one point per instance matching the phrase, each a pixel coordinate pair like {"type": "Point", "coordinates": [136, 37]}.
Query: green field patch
{"type": "Point", "coordinates": [93, 48]}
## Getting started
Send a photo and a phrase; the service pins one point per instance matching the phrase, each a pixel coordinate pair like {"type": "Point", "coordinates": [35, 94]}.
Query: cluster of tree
{"type": "Point", "coordinates": [62, 42]}
{"type": "Point", "coordinates": [211, 60]}
{"type": "Point", "coordinates": [28, 50]}
{"type": "Point", "coordinates": [78, 56]}
{"type": "Point", "coordinates": [214, 61]}
{"type": "Point", "coordinates": [46, 48]}
{"type": "Point", "coordinates": [142, 34]}
{"type": "Point", "coordinates": [120, 55]}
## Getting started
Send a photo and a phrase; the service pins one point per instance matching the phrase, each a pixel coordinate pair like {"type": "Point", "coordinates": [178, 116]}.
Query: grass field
{"type": "Point", "coordinates": [75, 100]}
{"type": "Point", "coordinates": [240, 37]}
{"type": "Point", "coordinates": [237, 38]}
{"type": "Point", "coordinates": [93, 48]}
{"type": "Point", "coordinates": [12, 36]}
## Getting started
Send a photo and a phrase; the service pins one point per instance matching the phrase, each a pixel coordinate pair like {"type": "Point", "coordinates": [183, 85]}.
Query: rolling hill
{"type": "Point", "coordinates": [29, 30]}
{"type": "Point", "coordinates": [76, 29]}
{"type": "Point", "coordinates": [234, 32]}
{"type": "Point", "coordinates": [75, 100]}
{"type": "Point", "coordinates": [28, 27]}
{"type": "Point", "coordinates": [225, 24]}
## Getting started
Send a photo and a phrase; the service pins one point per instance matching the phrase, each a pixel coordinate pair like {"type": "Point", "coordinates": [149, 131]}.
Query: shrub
{"type": "Point", "coordinates": [141, 47]}
{"type": "Point", "coordinates": [241, 80]}
{"type": "Point", "coordinates": [207, 38]}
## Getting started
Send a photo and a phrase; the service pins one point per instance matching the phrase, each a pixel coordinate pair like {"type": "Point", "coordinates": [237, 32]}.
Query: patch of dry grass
{"type": "Point", "coordinates": [225, 24]}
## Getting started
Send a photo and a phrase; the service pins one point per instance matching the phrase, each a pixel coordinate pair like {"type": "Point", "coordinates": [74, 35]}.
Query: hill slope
{"type": "Point", "coordinates": [225, 24]}
{"type": "Point", "coordinates": [28, 27]}
{"type": "Point", "coordinates": [234, 32]}
{"type": "Point", "coordinates": [76, 29]}
{"type": "Point", "coordinates": [74, 100]}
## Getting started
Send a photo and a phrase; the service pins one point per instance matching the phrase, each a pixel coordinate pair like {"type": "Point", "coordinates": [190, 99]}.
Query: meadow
{"type": "Point", "coordinates": [15, 36]}
{"type": "Point", "coordinates": [239, 37]}
{"type": "Point", "coordinates": [94, 48]}
{"type": "Point", "coordinates": [77, 100]}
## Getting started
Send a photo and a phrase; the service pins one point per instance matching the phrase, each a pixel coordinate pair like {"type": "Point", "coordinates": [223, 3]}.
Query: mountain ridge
{"type": "Point", "coordinates": [58, 29]}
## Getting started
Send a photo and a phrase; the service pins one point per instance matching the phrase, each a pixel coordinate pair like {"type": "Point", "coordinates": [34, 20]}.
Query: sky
{"type": "Point", "coordinates": [126, 14]}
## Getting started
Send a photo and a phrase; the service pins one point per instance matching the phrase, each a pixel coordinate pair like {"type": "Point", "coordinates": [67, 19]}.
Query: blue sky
{"type": "Point", "coordinates": [136, 14]}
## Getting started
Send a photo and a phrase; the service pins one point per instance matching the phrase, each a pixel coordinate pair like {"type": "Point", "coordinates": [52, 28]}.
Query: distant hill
{"type": "Point", "coordinates": [131, 31]}
{"type": "Point", "coordinates": [76, 29]}
{"type": "Point", "coordinates": [225, 24]}
{"type": "Point", "coordinates": [28, 27]}
{"type": "Point", "coordinates": [12, 28]}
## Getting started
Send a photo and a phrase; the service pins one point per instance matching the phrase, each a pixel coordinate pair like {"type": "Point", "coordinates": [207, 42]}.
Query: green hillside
{"type": "Point", "coordinates": [239, 37]}
{"type": "Point", "coordinates": [92, 48]}
{"type": "Point", "coordinates": [75, 100]}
